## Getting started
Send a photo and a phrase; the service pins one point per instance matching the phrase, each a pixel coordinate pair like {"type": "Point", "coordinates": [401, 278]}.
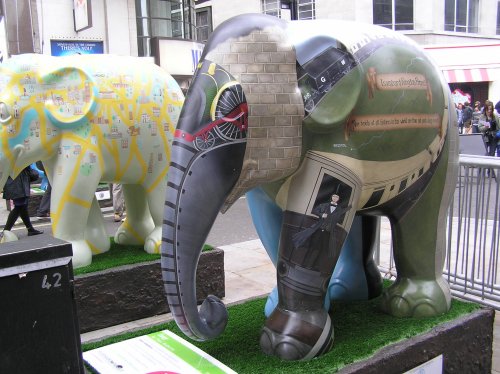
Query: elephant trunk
{"type": "Point", "coordinates": [198, 183]}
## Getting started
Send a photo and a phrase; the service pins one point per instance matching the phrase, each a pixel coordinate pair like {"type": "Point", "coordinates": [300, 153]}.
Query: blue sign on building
{"type": "Point", "coordinates": [69, 47]}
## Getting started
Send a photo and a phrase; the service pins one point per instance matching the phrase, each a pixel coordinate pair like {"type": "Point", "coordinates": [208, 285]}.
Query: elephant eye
{"type": "Point", "coordinates": [4, 113]}
{"type": "Point", "coordinates": [231, 112]}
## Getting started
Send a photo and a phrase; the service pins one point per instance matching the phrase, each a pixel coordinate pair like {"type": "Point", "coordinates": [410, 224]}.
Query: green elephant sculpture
{"type": "Point", "coordinates": [91, 119]}
{"type": "Point", "coordinates": [328, 125]}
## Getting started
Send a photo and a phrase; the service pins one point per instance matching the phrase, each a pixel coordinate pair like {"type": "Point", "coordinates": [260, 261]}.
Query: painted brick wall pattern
{"type": "Point", "coordinates": [265, 65]}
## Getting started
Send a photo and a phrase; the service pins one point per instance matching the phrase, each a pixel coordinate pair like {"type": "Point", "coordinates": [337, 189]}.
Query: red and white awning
{"type": "Point", "coordinates": [467, 63]}
{"type": "Point", "coordinates": [466, 75]}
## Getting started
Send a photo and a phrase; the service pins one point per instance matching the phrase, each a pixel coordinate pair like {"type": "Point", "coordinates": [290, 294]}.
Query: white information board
{"type": "Point", "coordinates": [157, 353]}
{"type": "Point", "coordinates": [434, 366]}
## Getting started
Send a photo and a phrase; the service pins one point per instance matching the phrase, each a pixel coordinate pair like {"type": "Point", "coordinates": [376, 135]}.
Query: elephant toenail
{"type": "Point", "coordinates": [288, 351]}
{"type": "Point", "coordinates": [424, 310]}
{"type": "Point", "coordinates": [400, 307]}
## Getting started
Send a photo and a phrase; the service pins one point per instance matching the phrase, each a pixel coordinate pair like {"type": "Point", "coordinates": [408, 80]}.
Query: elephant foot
{"type": "Point", "coordinates": [272, 302]}
{"type": "Point", "coordinates": [153, 242]}
{"type": "Point", "coordinates": [296, 336]}
{"type": "Point", "coordinates": [354, 281]}
{"type": "Point", "coordinates": [128, 235]}
{"type": "Point", "coordinates": [416, 298]}
{"type": "Point", "coordinates": [82, 254]}
{"type": "Point", "coordinates": [8, 236]}
{"type": "Point", "coordinates": [99, 244]}
{"type": "Point", "coordinates": [351, 286]}
{"type": "Point", "coordinates": [339, 289]}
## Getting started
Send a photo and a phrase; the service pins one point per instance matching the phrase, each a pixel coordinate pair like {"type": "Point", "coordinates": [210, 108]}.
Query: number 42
{"type": "Point", "coordinates": [57, 281]}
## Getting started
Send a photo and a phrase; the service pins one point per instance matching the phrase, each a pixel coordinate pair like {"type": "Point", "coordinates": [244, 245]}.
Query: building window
{"type": "Point", "coordinates": [306, 9]}
{"type": "Point", "coordinates": [290, 9]}
{"type": "Point", "coordinates": [393, 14]}
{"type": "Point", "coordinates": [203, 23]}
{"type": "Point", "coordinates": [498, 18]}
{"type": "Point", "coordinates": [461, 15]}
{"type": "Point", "coordinates": [271, 7]}
{"type": "Point", "coordinates": [163, 18]}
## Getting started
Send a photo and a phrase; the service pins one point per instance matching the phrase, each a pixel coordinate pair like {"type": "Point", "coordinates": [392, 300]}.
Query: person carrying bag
{"type": "Point", "coordinates": [467, 118]}
{"type": "Point", "coordinates": [489, 126]}
{"type": "Point", "coordinates": [18, 190]}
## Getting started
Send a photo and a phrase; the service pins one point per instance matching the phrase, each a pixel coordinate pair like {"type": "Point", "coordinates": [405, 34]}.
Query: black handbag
{"type": "Point", "coordinates": [33, 174]}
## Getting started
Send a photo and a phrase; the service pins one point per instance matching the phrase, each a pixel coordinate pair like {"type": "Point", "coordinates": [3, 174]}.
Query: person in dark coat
{"type": "Point", "coordinates": [329, 215]}
{"type": "Point", "coordinates": [18, 190]}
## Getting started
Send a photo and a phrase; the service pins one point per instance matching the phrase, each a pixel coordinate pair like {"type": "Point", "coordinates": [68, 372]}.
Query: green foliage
{"type": "Point", "coordinates": [119, 255]}
{"type": "Point", "coordinates": [360, 330]}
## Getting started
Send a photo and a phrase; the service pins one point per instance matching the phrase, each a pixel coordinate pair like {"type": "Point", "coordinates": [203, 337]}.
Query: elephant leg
{"type": "Point", "coordinates": [267, 218]}
{"type": "Point", "coordinates": [300, 327]}
{"type": "Point", "coordinates": [8, 236]}
{"type": "Point", "coordinates": [419, 249]}
{"type": "Point", "coordinates": [138, 223]}
{"type": "Point", "coordinates": [156, 199]}
{"type": "Point", "coordinates": [356, 275]}
{"type": "Point", "coordinates": [69, 222]}
{"type": "Point", "coordinates": [95, 232]}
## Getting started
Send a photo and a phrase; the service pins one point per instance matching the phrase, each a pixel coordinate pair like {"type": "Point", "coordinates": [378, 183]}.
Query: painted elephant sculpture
{"type": "Point", "coordinates": [91, 119]}
{"type": "Point", "coordinates": [329, 125]}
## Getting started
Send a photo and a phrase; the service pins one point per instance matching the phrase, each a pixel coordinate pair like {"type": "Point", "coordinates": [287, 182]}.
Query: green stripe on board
{"type": "Point", "coordinates": [185, 353]}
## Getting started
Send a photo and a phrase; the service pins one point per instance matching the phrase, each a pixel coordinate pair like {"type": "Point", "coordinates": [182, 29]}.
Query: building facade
{"type": "Point", "coordinates": [142, 28]}
{"type": "Point", "coordinates": [463, 36]}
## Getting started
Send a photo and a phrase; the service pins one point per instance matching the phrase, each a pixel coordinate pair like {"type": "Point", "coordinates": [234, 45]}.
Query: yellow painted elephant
{"type": "Point", "coordinates": [91, 119]}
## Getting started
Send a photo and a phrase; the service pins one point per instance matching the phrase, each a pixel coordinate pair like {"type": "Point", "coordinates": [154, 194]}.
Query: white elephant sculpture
{"type": "Point", "coordinates": [91, 119]}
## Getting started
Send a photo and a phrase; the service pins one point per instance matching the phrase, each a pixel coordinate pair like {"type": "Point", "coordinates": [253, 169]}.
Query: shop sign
{"type": "Point", "coordinates": [74, 47]}
{"type": "Point", "coordinates": [460, 97]}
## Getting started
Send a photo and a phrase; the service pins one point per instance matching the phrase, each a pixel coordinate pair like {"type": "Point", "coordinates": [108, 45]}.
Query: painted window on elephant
{"type": "Point", "coordinates": [290, 9]}
{"type": "Point", "coordinates": [393, 14]}
{"type": "Point", "coordinates": [461, 15]}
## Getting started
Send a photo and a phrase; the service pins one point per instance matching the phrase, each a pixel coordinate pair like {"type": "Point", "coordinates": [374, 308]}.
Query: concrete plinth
{"type": "Point", "coordinates": [465, 343]}
{"type": "Point", "coordinates": [132, 292]}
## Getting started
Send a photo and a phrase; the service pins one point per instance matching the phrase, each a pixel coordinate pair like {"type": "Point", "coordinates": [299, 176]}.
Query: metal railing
{"type": "Point", "coordinates": [473, 234]}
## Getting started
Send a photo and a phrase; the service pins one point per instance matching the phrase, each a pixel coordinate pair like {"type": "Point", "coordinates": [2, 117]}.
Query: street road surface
{"type": "Point", "coordinates": [234, 226]}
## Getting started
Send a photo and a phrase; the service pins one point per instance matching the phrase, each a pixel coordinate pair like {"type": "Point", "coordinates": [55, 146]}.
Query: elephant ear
{"type": "Point", "coordinates": [331, 82]}
{"type": "Point", "coordinates": [70, 98]}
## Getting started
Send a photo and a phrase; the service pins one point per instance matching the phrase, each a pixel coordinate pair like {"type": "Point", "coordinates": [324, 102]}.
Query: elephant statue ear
{"type": "Point", "coordinates": [69, 96]}
{"type": "Point", "coordinates": [330, 83]}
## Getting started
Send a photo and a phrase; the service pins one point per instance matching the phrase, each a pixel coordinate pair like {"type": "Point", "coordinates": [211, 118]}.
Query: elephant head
{"type": "Point", "coordinates": [34, 110]}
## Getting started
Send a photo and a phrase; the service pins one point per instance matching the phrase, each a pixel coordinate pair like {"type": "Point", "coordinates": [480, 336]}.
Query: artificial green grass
{"type": "Point", "coordinates": [360, 330]}
{"type": "Point", "coordinates": [119, 255]}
